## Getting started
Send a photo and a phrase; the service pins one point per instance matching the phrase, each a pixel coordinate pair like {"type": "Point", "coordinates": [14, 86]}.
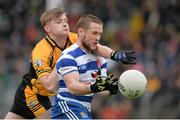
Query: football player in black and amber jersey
{"type": "Point", "coordinates": [32, 96]}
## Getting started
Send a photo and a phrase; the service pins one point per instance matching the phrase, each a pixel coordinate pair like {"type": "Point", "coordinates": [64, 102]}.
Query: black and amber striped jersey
{"type": "Point", "coordinates": [43, 59]}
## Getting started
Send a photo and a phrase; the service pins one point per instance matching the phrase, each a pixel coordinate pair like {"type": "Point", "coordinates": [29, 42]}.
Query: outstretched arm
{"type": "Point", "coordinates": [125, 57]}
{"type": "Point", "coordinates": [103, 51]}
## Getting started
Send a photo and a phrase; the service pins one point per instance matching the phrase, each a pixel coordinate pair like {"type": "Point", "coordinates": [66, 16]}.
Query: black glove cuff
{"type": "Point", "coordinates": [93, 88]}
{"type": "Point", "coordinates": [112, 55]}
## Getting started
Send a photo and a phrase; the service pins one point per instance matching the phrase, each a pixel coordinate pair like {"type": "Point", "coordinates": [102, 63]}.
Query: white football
{"type": "Point", "coordinates": [132, 84]}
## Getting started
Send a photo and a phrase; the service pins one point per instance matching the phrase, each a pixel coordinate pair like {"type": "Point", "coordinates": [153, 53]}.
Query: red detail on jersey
{"type": "Point", "coordinates": [94, 74]}
{"type": "Point", "coordinates": [98, 63]}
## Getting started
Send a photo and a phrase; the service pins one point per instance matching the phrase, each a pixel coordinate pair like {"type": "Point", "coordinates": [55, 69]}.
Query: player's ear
{"type": "Point", "coordinates": [80, 31]}
{"type": "Point", "coordinates": [46, 28]}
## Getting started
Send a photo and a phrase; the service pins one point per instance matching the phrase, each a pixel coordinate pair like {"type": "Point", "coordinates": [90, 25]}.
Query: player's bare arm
{"type": "Point", "coordinates": [103, 51]}
{"type": "Point", "coordinates": [124, 57]}
{"type": "Point", "coordinates": [50, 82]}
{"type": "Point", "coordinates": [74, 86]}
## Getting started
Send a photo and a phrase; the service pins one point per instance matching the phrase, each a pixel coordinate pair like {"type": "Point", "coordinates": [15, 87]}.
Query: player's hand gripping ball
{"type": "Point", "coordinates": [132, 84]}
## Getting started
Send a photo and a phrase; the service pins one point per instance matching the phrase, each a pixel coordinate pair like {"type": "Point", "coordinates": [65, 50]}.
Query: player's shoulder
{"type": "Point", "coordinates": [75, 51]}
{"type": "Point", "coordinates": [72, 48]}
{"type": "Point", "coordinates": [66, 54]}
{"type": "Point", "coordinates": [42, 47]}
{"type": "Point", "coordinates": [73, 37]}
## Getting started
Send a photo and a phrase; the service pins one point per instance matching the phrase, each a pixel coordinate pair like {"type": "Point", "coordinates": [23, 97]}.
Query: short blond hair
{"type": "Point", "coordinates": [85, 21]}
{"type": "Point", "coordinates": [51, 14]}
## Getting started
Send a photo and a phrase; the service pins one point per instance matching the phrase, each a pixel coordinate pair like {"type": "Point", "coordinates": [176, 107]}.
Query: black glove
{"type": "Point", "coordinates": [113, 86]}
{"type": "Point", "coordinates": [100, 84]}
{"type": "Point", "coordinates": [125, 57]}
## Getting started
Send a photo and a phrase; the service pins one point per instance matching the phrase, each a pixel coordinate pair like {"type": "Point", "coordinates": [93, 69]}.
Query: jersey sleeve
{"type": "Point", "coordinates": [66, 64]}
{"type": "Point", "coordinates": [40, 60]}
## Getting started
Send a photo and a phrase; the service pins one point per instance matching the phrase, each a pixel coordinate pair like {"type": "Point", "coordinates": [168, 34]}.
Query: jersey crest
{"type": "Point", "coordinates": [38, 62]}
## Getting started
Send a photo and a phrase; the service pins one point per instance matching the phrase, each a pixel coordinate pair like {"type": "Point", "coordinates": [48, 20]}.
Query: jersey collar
{"type": "Point", "coordinates": [54, 44]}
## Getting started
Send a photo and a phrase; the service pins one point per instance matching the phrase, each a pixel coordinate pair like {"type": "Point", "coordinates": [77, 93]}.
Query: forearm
{"type": "Point", "coordinates": [103, 51]}
{"type": "Point", "coordinates": [50, 82]}
{"type": "Point", "coordinates": [125, 57]}
{"type": "Point", "coordinates": [74, 85]}
{"type": "Point", "coordinates": [79, 88]}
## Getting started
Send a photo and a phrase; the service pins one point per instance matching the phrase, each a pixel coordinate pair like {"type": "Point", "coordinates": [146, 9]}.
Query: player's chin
{"type": "Point", "coordinates": [65, 32]}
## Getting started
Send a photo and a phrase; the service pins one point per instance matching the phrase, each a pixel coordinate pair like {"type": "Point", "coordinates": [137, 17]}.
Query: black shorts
{"type": "Point", "coordinates": [29, 104]}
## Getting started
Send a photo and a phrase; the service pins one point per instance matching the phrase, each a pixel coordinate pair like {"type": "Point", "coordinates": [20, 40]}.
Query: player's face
{"type": "Point", "coordinates": [59, 25]}
{"type": "Point", "coordinates": [92, 36]}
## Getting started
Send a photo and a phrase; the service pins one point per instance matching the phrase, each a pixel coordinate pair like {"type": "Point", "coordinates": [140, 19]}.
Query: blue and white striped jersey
{"type": "Point", "coordinates": [75, 59]}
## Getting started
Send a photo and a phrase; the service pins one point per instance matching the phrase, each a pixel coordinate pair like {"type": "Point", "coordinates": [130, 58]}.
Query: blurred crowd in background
{"type": "Point", "coordinates": [150, 27]}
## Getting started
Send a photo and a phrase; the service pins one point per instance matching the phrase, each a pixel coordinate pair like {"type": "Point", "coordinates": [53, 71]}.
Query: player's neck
{"type": "Point", "coordinates": [60, 40]}
{"type": "Point", "coordinates": [82, 47]}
